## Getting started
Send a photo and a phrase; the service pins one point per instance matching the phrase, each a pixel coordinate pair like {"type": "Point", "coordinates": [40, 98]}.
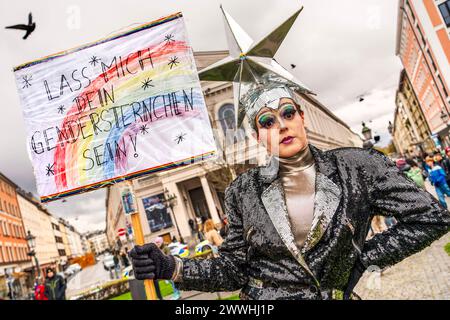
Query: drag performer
{"type": "Point", "coordinates": [298, 226]}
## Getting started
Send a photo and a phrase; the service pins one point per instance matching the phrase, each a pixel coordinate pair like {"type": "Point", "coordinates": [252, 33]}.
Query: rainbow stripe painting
{"type": "Point", "coordinates": [114, 110]}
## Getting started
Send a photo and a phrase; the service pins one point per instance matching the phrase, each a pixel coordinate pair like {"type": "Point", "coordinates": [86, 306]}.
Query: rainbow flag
{"type": "Point", "coordinates": [115, 109]}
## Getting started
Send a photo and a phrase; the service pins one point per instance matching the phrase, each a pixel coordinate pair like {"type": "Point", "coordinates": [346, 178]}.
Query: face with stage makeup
{"type": "Point", "coordinates": [281, 130]}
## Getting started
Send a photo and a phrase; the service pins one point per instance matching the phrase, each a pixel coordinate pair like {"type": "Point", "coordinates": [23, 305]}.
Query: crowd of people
{"type": "Point", "coordinates": [433, 166]}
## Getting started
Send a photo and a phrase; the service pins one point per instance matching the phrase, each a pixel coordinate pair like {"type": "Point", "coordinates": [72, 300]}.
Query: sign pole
{"type": "Point", "coordinates": [139, 240]}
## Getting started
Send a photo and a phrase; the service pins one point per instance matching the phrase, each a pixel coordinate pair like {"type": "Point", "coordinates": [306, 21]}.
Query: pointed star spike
{"type": "Point", "coordinates": [223, 70]}
{"type": "Point", "coordinates": [238, 40]}
{"type": "Point", "coordinates": [263, 66]}
{"type": "Point", "coordinates": [269, 45]}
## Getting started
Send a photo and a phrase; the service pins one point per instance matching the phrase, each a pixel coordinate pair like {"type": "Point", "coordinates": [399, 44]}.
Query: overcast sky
{"type": "Point", "coordinates": [342, 49]}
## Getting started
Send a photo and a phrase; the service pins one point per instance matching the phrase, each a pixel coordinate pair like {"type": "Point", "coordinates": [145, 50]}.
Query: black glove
{"type": "Point", "coordinates": [150, 263]}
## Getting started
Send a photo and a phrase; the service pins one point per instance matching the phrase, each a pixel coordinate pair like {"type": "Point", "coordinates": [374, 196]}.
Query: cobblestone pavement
{"type": "Point", "coordinates": [424, 275]}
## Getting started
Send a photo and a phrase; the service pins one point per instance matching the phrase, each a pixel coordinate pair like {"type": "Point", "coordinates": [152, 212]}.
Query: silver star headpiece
{"type": "Point", "coordinates": [258, 80]}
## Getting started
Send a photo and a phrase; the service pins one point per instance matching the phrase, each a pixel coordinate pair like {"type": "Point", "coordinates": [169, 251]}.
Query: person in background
{"type": "Point", "coordinates": [211, 233]}
{"type": "Point", "coordinates": [225, 227]}
{"type": "Point", "coordinates": [55, 287]}
{"type": "Point", "coordinates": [402, 165]}
{"type": "Point", "coordinates": [438, 180]}
{"type": "Point", "coordinates": [116, 264]}
{"type": "Point", "coordinates": [415, 173]}
{"type": "Point", "coordinates": [124, 256]}
{"type": "Point", "coordinates": [39, 290]}
{"type": "Point", "coordinates": [437, 157]}
{"type": "Point", "coordinates": [446, 164]}
{"type": "Point", "coordinates": [193, 229]}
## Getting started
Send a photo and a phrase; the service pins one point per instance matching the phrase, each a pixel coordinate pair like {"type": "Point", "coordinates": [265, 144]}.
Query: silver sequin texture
{"type": "Point", "coordinates": [352, 185]}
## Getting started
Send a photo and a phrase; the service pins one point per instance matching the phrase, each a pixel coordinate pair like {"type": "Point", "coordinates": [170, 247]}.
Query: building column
{"type": "Point", "coordinates": [210, 200]}
{"type": "Point", "coordinates": [179, 210]}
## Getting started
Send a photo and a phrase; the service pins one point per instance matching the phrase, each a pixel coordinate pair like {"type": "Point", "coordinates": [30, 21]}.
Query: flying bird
{"type": "Point", "coordinates": [293, 66]}
{"type": "Point", "coordinates": [29, 28]}
{"type": "Point", "coordinates": [362, 97]}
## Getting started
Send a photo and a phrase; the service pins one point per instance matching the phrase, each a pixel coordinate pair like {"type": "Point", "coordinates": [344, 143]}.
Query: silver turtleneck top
{"type": "Point", "coordinates": [298, 175]}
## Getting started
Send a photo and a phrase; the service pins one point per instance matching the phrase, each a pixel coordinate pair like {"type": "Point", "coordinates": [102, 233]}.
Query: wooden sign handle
{"type": "Point", "coordinates": [139, 240]}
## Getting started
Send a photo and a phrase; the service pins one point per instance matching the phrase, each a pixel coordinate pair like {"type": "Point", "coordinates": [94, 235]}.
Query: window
{"type": "Point", "coordinates": [421, 35]}
{"type": "Point", "coordinates": [8, 254]}
{"type": "Point", "coordinates": [1, 254]}
{"type": "Point", "coordinates": [432, 60]}
{"type": "Point", "coordinates": [442, 85]}
{"type": "Point", "coordinates": [445, 11]}
{"type": "Point", "coordinates": [411, 11]}
{"type": "Point", "coordinates": [228, 122]}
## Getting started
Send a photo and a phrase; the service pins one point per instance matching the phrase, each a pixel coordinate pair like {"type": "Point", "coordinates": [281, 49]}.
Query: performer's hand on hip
{"type": "Point", "coordinates": [149, 262]}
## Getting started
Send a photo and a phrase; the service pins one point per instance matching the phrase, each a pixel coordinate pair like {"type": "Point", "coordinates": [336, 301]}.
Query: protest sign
{"type": "Point", "coordinates": [115, 109]}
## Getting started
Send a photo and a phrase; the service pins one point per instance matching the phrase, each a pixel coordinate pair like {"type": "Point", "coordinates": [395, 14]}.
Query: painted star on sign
{"type": "Point", "coordinates": [173, 62]}
{"type": "Point", "coordinates": [169, 38]}
{"type": "Point", "coordinates": [26, 81]}
{"type": "Point", "coordinates": [249, 62]}
{"type": "Point", "coordinates": [146, 84]}
{"type": "Point", "coordinates": [143, 129]}
{"type": "Point", "coordinates": [50, 170]}
{"type": "Point", "coordinates": [180, 138]}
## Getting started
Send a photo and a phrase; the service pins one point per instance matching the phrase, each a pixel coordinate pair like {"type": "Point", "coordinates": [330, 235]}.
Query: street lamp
{"type": "Point", "coordinates": [31, 240]}
{"type": "Point", "coordinates": [390, 128]}
{"type": "Point", "coordinates": [367, 132]}
{"type": "Point", "coordinates": [171, 200]}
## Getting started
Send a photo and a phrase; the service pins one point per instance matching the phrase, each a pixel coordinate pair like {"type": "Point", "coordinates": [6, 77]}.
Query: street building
{"type": "Point", "coordinates": [37, 220]}
{"type": "Point", "coordinates": [98, 241]}
{"type": "Point", "coordinates": [115, 219]}
{"type": "Point", "coordinates": [168, 201]}
{"type": "Point", "coordinates": [423, 45]}
{"type": "Point", "coordinates": [61, 262]}
{"type": "Point", "coordinates": [411, 134]}
{"type": "Point", "coordinates": [76, 245]}
{"type": "Point", "coordinates": [13, 246]}
{"type": "Point", "coordinates": [63, 227]}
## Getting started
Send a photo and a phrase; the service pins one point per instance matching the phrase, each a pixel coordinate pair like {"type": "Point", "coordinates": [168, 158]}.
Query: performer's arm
{"type": "Point", "coordinates": [227, 272]}
{"type": "Point", "coordinates": [421, 219]}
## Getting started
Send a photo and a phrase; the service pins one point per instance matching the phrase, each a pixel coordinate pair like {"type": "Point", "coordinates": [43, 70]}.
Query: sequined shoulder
{"type": "Point", "coordinates": [366, 157]}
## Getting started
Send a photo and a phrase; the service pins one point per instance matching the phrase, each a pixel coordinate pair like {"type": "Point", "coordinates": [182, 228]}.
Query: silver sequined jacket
{"type": "Point", "coordinates": [259, 254]}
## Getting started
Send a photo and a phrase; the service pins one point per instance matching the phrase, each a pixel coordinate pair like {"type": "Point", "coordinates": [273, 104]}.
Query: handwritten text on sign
{"type": "Point", "coordinates": [113, 110]}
